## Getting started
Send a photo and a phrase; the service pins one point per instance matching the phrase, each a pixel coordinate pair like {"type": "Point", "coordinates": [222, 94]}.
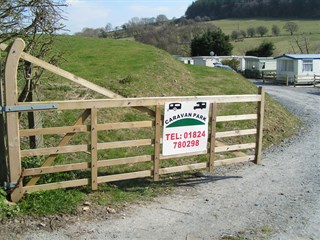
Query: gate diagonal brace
{"type": "Point", "coordinates": [31, 108]}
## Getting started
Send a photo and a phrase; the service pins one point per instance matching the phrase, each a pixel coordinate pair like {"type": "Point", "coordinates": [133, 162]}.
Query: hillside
{"type": "Point", "coordinates": [135, 70]}
{"type": "Point", "coordinates": [176, 38]}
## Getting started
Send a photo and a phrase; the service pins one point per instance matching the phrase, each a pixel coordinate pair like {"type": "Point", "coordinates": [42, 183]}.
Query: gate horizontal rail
{"type": "Point", "coordinates": [106, 163]}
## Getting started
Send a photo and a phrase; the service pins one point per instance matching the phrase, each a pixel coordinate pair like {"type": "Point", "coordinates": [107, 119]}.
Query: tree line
{"type": "Point", "coordinates": [290, 27]}
{"type": "Point", "coordinates": [219, 9]}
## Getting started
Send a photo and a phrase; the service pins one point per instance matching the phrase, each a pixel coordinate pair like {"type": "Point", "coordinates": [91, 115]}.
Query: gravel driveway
{"type": "Point", "coordinates": [279, 199]}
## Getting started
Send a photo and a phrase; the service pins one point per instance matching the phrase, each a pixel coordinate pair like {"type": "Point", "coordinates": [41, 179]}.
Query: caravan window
{"type": "Point", "coordinates": [307, 66]}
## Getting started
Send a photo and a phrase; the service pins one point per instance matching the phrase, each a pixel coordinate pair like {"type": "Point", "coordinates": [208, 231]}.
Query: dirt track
{"type": "Point", "coordinates": [278, 200]}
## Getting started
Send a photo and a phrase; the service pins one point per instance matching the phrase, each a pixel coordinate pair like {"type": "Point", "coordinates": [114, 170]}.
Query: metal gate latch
{"type": "Point", "coordinates": [36, 107]}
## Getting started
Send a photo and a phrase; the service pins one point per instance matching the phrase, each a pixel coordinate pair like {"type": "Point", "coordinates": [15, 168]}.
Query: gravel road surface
{"type": "Point", "coordinates": [279, 199]}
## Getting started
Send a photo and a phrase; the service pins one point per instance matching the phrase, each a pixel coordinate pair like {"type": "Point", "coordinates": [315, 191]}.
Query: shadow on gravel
{"type": "Point", "coordinates": [203, 179]}
{"type": "Point", "coordinates": [315, 93]}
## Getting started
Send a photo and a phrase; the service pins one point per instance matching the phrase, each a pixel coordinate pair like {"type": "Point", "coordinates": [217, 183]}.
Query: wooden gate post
{"type": "Point", "coordinates": [260, 113]}
{"type": "Point", "coordinates": [11, 99]}
{"type": "Point", "coordinates": [213, 136]}
{"type": "Point", "coordinates": [94, 150]}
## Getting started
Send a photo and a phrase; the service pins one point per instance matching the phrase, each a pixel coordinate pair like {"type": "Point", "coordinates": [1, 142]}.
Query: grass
{"type": "Point", "coordinates": [284, 42]}
{"type": "Point", "coordinates": [133, 70]}
{"type": "Point", "coordinates": [262, 233]}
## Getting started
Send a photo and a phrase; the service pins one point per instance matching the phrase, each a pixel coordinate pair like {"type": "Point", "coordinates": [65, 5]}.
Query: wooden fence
{"type": "Point", "coordinates": [269, 76]}
{"type": "Point", "coordinates": [296, 80]}
{"type": "Point", "coordinates": [88, 123]}
{"type": "Point", "coordinates": [303, 80]}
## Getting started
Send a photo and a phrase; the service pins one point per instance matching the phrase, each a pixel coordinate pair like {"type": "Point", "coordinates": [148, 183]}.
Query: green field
{"type": "Point", "coordinates": [133, 70]}
{"type": "Point", "coordinates": [284, 43]}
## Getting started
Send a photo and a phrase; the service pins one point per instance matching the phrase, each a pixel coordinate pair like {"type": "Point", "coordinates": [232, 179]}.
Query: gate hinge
{"type": "Point", "coordinates": [8, 185]}
{"type": "Point", "coordinates": [36, 107]}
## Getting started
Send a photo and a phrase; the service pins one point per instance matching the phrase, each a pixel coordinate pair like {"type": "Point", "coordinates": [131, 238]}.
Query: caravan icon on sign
{"type": "Point", "coordinates": [200, 105]}
{"type": "Point", "coordinates": [174, 106]}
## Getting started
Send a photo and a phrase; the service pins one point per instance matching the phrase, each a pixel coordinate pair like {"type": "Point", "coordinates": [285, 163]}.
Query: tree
{"type": "Point", "coordinates": [235, 35]}
{"type": "Point", "coordinates": [234, 63]}
{"type": "Point", "coordinates": [215, 41]}
{"type": "Point", "coordinates": [26, 19]}
{"type": "Point", "coordinates": [301, 42]}
{"type": "Point", "coordinates": [264, 50]}
{"type": "Point", "coordinates": [36, 22]}
{"type": "Point", "coordinates": [173, 38]}
{"type": "Point", "coordinates": [291, 27]}
{"type": "Point", "coordinates": [108, 27]}
{"type": "Point", "coordinates": [243, 33]}
{"type": "Point", "coordinates": [220, 9]}
{"type": "Point", "coordinates": [262, 30]}
{"type": "Point", "coordinates": [275, 30]}
{"type": "Point", "coordinates": [198, 19]}
{"type": "Point", "coordinates": [251, 31]}
{"type": "Point", "coordinates": [161, 18]}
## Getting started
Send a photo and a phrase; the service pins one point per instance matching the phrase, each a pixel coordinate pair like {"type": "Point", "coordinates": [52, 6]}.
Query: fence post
{"type": "Point", "coordinates": [94, 150]}
{"type": "Point", "coordinates": [213, 136]}
{"type": "Point", "coordinates": [287, 80]}
{"type": "Point", "coordinates": [314, 80]}
{"type": "Point", "coordinates": [260, 112]}
{"type": "Point", "coordinates": [156, 160]}
{"type": "Point", "coordinates": [13, 138]}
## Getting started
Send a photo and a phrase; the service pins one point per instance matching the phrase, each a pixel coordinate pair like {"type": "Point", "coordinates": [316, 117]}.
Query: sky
{"type": "Point", "coordinates": [97, 13]}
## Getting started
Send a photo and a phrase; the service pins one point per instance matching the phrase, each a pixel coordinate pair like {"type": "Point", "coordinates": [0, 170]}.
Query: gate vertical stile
{"type": "Point", "coordinates": [156, 160]}
{"type": "Point", "coordinates": [11, 99]}
{"type": "Point", "coordinates": [3, 156]}
{"type": "Point", "coordinates": [260, 112]}
{"type": "Point", "coordinates": [94, 150]}
{"type": "Point", "coordinates": [213, 136]}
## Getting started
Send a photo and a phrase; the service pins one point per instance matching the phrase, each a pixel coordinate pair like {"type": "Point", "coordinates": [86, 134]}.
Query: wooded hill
{"type": "Point", "coordinates": [220, 9]}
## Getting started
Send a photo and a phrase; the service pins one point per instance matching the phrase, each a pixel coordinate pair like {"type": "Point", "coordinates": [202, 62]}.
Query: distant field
{"type": "Point", "coordinates": [305, 26]}
{"type": "Point", "coordinates": [308, 28]}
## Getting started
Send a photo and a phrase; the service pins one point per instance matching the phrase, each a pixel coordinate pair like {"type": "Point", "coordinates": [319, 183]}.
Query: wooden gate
{"type": "Point", "coordinates": [94, 169]}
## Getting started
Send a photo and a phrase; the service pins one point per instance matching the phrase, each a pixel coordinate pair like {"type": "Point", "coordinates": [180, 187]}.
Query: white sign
{"type": "Point", "coordinates": [185, 127]}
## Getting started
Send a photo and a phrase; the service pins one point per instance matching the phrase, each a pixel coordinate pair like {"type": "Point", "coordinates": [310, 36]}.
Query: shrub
{"type": "Point", "coordinates": [275, 30]}
{"type": "Point", "coordinates": [262, 30]}
{"type": "Point", "coordinates": [264, 50]}
{"type": "Point", "coordinates": [251, 31]}
{"type": "Point", "coordinates": [233, 63]}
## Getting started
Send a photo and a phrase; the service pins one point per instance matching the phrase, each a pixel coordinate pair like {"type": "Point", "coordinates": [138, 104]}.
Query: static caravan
{"type": "Point", "coordinates": [207, 61]}
{"type": "Point", "coordinates": [260, 63]}
{"type": "Point", "coordinates": [185, 60]}
{"type": "Point", "coordinates": [298, 68]}
{"type": "Point", "coordinates": [255, 66]}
